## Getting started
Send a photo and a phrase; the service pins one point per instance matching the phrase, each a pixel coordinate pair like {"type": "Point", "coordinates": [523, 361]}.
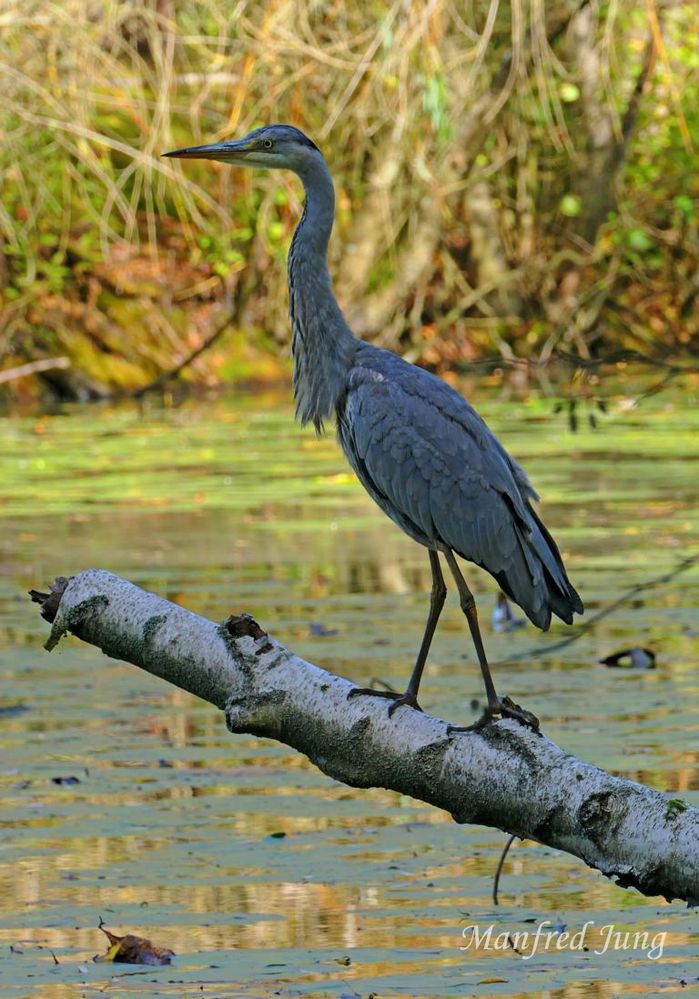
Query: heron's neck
{"type": "Point", "coordinates": [322, 343]}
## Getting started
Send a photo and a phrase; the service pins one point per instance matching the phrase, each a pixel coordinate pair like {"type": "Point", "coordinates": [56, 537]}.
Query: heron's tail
{"type": "Point", "coordinates": [547, 590]}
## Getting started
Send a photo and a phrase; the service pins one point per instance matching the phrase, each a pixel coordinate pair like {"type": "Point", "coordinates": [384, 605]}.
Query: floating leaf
{"type": "Point", "coordinates": [633, 658]}
{"type": "Point", "coordinates": [131, 949]}
{"type": "Point", "coordinates": [10, 710]}
{"type": "Point", "coordinates": [319, 630]}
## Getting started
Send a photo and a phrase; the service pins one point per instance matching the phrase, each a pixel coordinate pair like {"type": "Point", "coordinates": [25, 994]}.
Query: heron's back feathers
{"type": "Point", "coordinates": [432, 464]}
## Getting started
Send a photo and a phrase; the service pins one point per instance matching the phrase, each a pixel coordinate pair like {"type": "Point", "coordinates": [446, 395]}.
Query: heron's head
{"type": "Point", "coordinates": [273, 146]}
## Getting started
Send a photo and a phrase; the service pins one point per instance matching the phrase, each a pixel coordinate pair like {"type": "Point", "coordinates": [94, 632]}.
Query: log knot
{"type": "Point", "coordinates": [245, 626]}
{"type": "Point", "coordinates": [49, 601]}
{"type": "Point", "coordinates": [256, 713]}
{"type": "Point", "coordinates": [600, 816]}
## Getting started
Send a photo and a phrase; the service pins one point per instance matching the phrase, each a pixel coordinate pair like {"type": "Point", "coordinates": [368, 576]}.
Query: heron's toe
{"type": "Point", "coordinates": [371, 692]}
{"type": "Point", "coordinates": [487, 718]}
{"type": "Point", "coordinates": [506, 708]}
{"type": "Point", "coordinates": [407, 698]}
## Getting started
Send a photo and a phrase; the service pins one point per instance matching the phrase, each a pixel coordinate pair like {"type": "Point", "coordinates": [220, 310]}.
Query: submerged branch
{"type": "Point", "coordinates": [503, 776]}
{"type": "Point", "coordinates": [585, 626]}
{"type": "Point", "coordinates": [576, 362]}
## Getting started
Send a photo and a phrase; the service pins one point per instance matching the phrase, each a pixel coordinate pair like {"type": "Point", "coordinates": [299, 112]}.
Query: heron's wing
{"type": "Point", "coordinates": [430, 461]}
{"type": "Point", "coordinates": [433, 465]}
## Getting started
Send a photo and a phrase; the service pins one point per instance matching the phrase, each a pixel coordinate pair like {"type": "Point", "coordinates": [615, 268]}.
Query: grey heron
{"type": "Point", "coordinates": [420, 450]}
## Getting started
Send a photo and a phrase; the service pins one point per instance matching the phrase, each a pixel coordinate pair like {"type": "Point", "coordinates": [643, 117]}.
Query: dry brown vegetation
{"type": "Point", "coordinates": [514, 179]}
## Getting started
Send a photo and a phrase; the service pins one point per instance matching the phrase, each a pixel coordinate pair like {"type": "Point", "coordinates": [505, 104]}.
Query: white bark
{"type": "Point", "coordinates": [504, 775]}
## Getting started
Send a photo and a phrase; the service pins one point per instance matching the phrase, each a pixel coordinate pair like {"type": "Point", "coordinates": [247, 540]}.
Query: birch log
{"type": "Point", "coordinates": [504, 776]}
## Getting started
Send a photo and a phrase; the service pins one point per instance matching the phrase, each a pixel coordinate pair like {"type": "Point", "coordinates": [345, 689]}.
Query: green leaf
{"type": "Point", "coordinates": [569, 93]}
{"type": "Point", "coordinates": [685, 206]}
{"type": "Point", "coordinates": [638, 240]}
{"type": "Point", "coordinates": [570, 205]}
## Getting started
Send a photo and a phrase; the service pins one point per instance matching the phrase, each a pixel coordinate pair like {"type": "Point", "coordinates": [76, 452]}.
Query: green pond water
{"type": "Point", "coordinates": [264, 876]}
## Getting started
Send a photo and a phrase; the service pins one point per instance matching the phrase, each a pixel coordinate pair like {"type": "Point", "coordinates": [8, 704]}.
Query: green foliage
{"type": "Point", "coordinates": [435, 100]}
{"type": "Point", "coordinates": [675, 807]}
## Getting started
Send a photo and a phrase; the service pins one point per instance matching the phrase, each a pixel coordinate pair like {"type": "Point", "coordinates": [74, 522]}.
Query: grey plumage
{"type": "Point", "coordinates": [431, 463]}
{"type": "Point", "coordinates": [421, 451]}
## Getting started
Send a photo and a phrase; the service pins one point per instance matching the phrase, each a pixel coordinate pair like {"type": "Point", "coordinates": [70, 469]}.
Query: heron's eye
{"type": "Point", "coordinates": [268, 143]}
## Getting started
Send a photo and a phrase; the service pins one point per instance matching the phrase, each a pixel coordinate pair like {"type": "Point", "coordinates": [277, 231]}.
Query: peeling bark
{"type": "Point", "coordinates": [503, 776]}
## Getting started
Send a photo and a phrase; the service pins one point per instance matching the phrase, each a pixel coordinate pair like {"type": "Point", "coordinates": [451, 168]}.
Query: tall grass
{"type": "Point", "coordinates": [458, 134]}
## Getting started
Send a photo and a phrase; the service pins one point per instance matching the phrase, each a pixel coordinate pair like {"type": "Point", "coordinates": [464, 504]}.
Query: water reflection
{"type": "Point", "coordinates": [259, 872]}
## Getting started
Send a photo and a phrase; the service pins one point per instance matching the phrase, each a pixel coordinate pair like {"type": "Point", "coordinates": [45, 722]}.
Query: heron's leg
{"type": "Point", "coordinates": [496, 706]}
{"type": "Point", "coordinates": [468, 606]}
{"type": "Point", "coordinates": [437, 597]}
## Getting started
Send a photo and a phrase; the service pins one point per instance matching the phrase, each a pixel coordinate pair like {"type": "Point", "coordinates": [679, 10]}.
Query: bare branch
{"type": "Point", "coordinates": [33, 368]}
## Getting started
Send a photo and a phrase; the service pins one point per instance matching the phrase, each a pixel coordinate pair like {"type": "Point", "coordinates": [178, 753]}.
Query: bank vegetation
{"type": "Point", "coordinates": [515, 180]}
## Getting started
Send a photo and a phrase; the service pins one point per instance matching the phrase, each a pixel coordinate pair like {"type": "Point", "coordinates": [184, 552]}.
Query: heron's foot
{"type": "Point", "coordinates": [398, 699]}
{"type": "Point", "coordinates": [506, 708]}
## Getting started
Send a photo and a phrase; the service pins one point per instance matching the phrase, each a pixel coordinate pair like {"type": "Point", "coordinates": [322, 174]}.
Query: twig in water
{"type": "Point", "coordinates": [582, 629]}
{"type": "Point", "coordinates": [498, 872]}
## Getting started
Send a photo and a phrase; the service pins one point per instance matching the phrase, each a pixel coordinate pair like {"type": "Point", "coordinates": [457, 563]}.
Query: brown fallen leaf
{"type": "Point", "coordinates": [131, 949]}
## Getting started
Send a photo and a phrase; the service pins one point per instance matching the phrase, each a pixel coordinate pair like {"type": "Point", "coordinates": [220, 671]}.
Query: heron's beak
{"type": "Point", "coordinates": [228, 151]}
